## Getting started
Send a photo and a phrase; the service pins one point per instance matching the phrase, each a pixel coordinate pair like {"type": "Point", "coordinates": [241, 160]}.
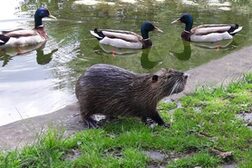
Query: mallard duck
{"type": "Point", "coordinates": [206, 32]}
{"type": "Point", "coordinates": [23, 37]}
{"type": "Point", "coordinates": [126, 39]}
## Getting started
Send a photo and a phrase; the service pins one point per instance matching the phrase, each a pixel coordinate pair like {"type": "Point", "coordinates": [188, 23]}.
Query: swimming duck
{"type": "Point", "coordinates": [206, 32]}
{"type": "Point", "coordinates": [23, 37]}
{"type": "Point", "coordinates": [126, 39]}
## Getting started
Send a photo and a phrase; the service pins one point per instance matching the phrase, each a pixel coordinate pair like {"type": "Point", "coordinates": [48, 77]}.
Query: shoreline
{"type": "Point", "coordinates": [214, 73]}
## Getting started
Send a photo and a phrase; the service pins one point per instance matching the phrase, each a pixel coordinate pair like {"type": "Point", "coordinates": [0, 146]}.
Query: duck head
{"type": "Point", "coordinates": [41, 13]}
{"type": "Point", "coordinates": [187, 19]}
{"type": "Point", "coordinates": [146, 28]}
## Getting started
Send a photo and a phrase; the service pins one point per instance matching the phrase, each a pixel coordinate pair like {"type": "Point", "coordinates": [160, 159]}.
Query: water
{"type": "Point", "coordinates": [42, 81]}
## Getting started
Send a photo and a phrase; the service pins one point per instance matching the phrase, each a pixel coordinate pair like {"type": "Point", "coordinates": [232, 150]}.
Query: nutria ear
{"type": "Point", "coordinates": [154, 78]}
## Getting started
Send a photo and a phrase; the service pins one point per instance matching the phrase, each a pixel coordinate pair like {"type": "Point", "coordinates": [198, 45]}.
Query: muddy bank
{"type": "Point", "coordinates": [216, 72]}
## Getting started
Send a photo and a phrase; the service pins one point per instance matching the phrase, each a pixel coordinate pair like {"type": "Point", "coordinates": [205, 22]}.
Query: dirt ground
{"type": "Point", "coordinates": [217, 72]}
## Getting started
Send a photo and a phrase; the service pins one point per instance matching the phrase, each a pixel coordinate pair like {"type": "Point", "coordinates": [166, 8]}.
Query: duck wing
{"type": "Point", "coordinates": [213, 28]}
{"type": "Point", "coordinates": [121, 34]}
{"type": "Point", "coordinates": [19, 33]}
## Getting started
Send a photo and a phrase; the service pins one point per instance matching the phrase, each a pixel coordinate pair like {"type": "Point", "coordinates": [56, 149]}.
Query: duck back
{"type": "Point", "coordinates": [127, 36]}
{"type": "Point", "coordinates": [210, 28]}
{"type": "Point", "coordinates": [119, 43]}
{"type": "Point", "coordinates": [213, 37]}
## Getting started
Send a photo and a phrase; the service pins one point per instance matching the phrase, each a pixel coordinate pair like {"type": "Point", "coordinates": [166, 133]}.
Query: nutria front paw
{"type": "Point", "coordinates": [167, 125]}
{"type": "Point", "coordinates": [148, 121]}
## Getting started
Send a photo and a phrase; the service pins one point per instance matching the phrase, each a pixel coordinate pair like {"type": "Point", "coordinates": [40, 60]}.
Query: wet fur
{"type": "Point", "coordinates": [113, 91]}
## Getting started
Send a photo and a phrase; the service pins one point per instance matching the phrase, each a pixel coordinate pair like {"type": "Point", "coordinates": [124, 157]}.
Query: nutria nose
{"type": "Point", "coordinates": [186, 75]}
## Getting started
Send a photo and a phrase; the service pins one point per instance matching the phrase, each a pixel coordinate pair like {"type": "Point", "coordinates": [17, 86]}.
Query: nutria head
{"type": "Point", "coordinates": [168, 81]}
{"type": "Point", "coordinates": [150, 88]}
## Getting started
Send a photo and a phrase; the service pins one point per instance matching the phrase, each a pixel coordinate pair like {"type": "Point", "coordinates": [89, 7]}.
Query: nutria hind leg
{"type": "Point", "coordinates": [156, 117]}
{"type": "Point", "coordinates": [90, 122]}
{"type": "Point", "coordinates": [86, 117]}
{"type": "Point", "coordinates": [148, 121]}
{"type": "Point", "coordinates": [107, 119]}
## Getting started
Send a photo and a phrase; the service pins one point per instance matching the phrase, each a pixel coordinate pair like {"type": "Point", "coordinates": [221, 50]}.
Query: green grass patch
{"type": "Point", "coordinates": [199, 159]}
{"type": "Point", "coordinates": [206, 120]}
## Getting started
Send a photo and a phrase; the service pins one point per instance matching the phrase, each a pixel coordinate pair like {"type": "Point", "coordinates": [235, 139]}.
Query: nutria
{"type": "Point", "coordinates": [113, 91]}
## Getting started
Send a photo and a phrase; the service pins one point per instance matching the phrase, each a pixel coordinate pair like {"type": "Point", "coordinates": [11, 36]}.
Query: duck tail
{"type": "Point", "coordinates": [235, 28]}
{"type": "Point", "coordinates": [98, 34]}
{"type": "Point", "coordinates": [3, 39]}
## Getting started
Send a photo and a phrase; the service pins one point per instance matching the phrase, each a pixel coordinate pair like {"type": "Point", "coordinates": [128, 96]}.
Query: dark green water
{"type": "Point", "coordinates": [42, 81]}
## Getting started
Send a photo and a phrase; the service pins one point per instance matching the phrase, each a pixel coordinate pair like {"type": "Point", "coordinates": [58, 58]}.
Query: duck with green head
{"type": "Point", "coordinates": [23, 37]}
{"type": "Point", "coordinates": [126, 39]}
{"type": "Point", "coordinates": [206, 32]}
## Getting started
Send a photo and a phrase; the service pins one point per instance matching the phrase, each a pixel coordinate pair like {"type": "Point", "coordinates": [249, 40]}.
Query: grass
{"type": "Point", "coordinates": [207, 120]}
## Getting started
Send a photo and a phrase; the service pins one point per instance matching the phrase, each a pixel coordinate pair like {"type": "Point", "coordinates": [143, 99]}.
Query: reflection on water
{"type": "Point", "coordinates": [8, 53]}
{"type": "Point", "coordinates": [224, 44]}
{"type": "Point", "coordinates": [146, 63]}
{"type": "Point", "coordinates": [186, 53]}
{"type": "Point", "coordinates": [42, 80]}
{"type": "Point", "coordinates": [42, 58]}
{"type": "Point", "coordinates": [27, 90]}
{"type": "Point", "coordinates": [116, 51]}
{"type": "Point", "coordinates": [29, 84]}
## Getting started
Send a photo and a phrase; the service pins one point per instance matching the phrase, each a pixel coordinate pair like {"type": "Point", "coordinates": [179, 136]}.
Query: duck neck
{"type": "Point", "coordinates": [188, 26]}
{"type": "Point", "coordinates": [186, 35]}
{"type": "Point", "coordinates": [40, 30]}
{"type": "Point", "coordinates": [38, 22]}
{"type": "Point", "coordinates": [147, 43]}
{"type": "Point", "coordinates": [145, 34]}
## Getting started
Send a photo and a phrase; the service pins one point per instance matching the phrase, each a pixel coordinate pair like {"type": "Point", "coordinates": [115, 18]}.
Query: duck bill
{"type": "Point", "coordinates": [158, 30]}
{"type": "Point", "coordinates": [176, 21]}
{"type": "Point", "coordinates": [51, 16]}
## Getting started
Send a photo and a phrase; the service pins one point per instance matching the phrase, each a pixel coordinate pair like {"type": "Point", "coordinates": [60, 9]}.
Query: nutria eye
{"type": "Point", "coordinates": [169, 76]}
{"type": "Point", "coordinates": [154, 78]}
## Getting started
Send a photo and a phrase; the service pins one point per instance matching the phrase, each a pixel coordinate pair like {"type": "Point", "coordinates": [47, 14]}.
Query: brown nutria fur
{"type": "Point", "coordinates": [113, 91]}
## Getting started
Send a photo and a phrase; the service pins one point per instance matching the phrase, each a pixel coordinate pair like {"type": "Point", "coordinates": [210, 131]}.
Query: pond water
{"type": "Point", "coordinates": [42, 80]}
